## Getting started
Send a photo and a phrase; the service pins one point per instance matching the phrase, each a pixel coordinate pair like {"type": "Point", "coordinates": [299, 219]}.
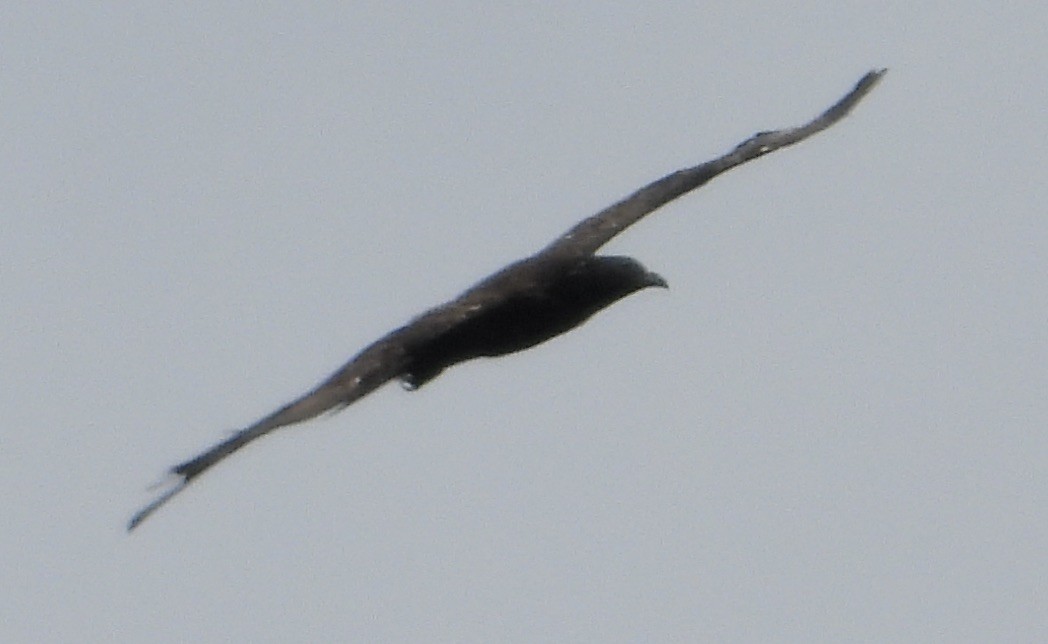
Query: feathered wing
{"type": "Point", "coordinates": [372, 368]}
{"type": "Point", "coordinates": [388, 358]}
{"type": "Point", "coordinates": [593, 232]}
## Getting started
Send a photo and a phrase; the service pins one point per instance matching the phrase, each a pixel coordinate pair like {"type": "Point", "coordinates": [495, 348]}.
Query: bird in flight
{"type": "Point", "coordinates": [522, 305]}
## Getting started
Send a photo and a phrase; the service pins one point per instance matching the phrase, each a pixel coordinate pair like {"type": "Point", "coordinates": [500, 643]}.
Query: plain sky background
{"type": "Point", "coordinates": [832, 426]}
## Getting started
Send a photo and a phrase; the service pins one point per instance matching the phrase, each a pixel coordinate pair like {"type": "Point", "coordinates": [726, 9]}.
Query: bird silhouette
{"type": "Point", "coordinates": [522, 305]}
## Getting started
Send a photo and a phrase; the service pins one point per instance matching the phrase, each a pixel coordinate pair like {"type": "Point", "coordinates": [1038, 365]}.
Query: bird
{"type": "Point", "coordinates": [524, 304]}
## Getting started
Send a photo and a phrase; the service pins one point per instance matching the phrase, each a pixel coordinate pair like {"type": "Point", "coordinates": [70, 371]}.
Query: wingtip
{"type": "Point", "coordinates": [872, 77]}
{"type": "Point", "coordinates": [175, 483]}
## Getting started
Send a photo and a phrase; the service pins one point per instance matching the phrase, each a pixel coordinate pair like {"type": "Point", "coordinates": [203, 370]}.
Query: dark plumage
{"type": "Point", "coordinates": [524, 304]}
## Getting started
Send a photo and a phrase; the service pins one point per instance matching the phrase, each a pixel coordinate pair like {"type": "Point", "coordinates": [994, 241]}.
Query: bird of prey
{"type": "Point", "coordinates": [522, 305]}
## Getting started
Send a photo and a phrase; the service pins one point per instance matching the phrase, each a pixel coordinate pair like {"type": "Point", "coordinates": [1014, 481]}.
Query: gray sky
{"type": "Point", "coordinates": [831, 427]}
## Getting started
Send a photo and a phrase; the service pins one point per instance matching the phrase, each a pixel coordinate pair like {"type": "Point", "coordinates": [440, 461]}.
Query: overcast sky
{"type": "Point", "coordinates": [832, 427]}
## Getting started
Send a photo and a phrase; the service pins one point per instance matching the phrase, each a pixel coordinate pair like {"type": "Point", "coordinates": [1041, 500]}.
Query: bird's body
{"type": "Point", "coordinates": [520, 306]}
{"type": "Point", "coordinates": [514, 309]}
{"type": "Point", "coordinates": [523, 305]}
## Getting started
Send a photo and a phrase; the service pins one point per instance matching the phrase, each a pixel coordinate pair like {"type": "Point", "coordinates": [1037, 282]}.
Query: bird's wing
{"type": "Point", "coordinates": [376, 365]}
{"type": "Point", "coordinates": [595, 231]}
{"type": "Point", "coordinates": [370, 369]}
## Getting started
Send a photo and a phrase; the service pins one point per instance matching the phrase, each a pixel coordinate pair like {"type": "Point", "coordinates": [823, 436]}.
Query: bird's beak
{"type": "Point", "coordinates": [654, 279]}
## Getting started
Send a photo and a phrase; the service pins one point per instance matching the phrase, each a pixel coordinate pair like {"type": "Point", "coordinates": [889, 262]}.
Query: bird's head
{"type": "Point", "coordinates": [654, 279]}
{"type": "Point", "coordinates": [603, 279]}
{"type": "Point", "coordinates": [628, 273]}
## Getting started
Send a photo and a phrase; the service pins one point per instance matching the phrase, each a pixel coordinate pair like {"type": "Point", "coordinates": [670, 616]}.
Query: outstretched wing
{"type": "Point", "coordinates": [369, 370]}
{"type": "Point", "coordinates": [595, 231]}
{"type": "Point", "coordinates": [386, 359]}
